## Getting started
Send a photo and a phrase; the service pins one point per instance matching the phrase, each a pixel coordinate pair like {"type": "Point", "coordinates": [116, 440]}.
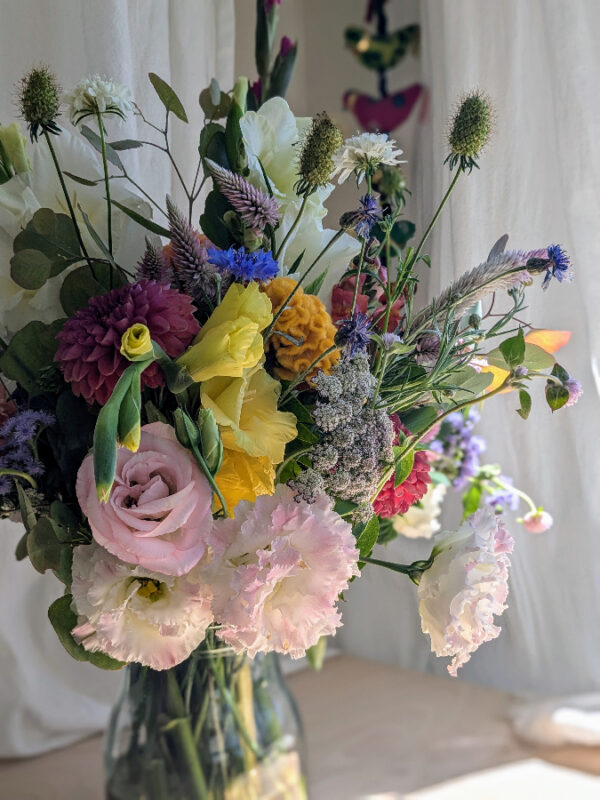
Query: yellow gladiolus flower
{"type": "Point", "coordinates": [136, 342]}
{"type": "Point", "coordinates": [242, 477]}
{"type": "Point", "coordinates": [230, 342]}
{"type": "Point", "coordinates": [246, 410]}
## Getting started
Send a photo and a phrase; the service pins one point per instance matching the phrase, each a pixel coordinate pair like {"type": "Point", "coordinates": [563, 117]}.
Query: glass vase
{"type": "Point", "coordinates": [216, 727]}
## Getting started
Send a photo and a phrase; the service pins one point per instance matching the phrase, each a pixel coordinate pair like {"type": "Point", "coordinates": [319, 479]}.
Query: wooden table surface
{"type": "Point", "coordinates": [373, 731]}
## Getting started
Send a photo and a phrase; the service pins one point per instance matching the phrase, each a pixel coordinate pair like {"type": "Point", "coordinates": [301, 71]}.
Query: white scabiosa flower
{"type": "Point", "coordinates": [421, 521]}
{"type": "Point", "coordinates": [98, 94]}
{"type": "Point", "coordinates": [133, 614]}
{"type": "Point", "coordinates": [465, 587]}
{"type": "Point", "coordinates": [364, 153]}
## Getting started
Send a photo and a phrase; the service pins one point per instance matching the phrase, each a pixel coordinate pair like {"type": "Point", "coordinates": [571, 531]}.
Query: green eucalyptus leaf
{"type": "Point", "coordinates": [513, 350]}
{"type": "Point", "coordinates": [28, 517]}
{"type": "Point", "coordinates": [30, 269]}
{"type": "Point", "coordinates": [126, 144]}
{"type": "Point", "coordinates": [66, 521]}
{"type": "Point", "coordinates": [96, 142]}
{"type": "Point", "coordinates": [80, 285]}
{"type": "Point", "coordinates": [168, 97]}
{"type": "Point", "coordinates": [83, 181]}
{"type": "Point", "coordinates": [43, 545]}
{"type": "Point", "coordinates": [535, 358]}
{"type": "Point", "coordinates": [417, 419]}
{"type": "Point", "coordinates": [215, 108]}
{"type": "Point", "coordinates": [51, 234]}
{"type": "Point", "coordinates": [471, 383]}
{"type": "Point", "coordinates": [63, 620]}
{"type": "Point", "coordinates": [30, 351]}
{"type": "Point", "coordinates": [211, 220]}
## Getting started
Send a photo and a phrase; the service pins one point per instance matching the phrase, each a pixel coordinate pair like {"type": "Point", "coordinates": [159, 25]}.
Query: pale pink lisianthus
{"type": "Point", "coordinates": [466, 586]}
{"type": "Point", "coordinates": [134, 614]}
{"type": "Point", "coordinates": [158, 514]}
{"type": "Point", "coordinates": [283, 566]}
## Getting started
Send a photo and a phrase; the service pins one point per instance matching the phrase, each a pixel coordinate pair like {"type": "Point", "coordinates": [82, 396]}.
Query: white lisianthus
{"type": "Point", "coordinates": [271, 138]}
{"type": "Point", "coordinates": [133, 614]}
{"type": "Point", "coordinates": [364, 153]}
{"type": "Point", "coordinates": [465, 587]}
{"type": "Point", "coordinates": [98, 94]}
{"type": "Point", "coordinates": [421, 521]}
{"type": "Point", "coordinates": [23, 195]}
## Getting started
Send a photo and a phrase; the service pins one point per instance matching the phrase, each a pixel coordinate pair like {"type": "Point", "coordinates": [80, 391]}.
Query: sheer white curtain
{"type": "Point", "coordinates": [46, 698]}
{"type": "Point", "coordinates": [540, 182]}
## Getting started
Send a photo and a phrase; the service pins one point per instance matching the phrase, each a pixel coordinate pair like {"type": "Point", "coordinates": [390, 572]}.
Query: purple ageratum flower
{"type": "Point", "coordinates": [575, 390]}
{"type": "Point", "coordinates": [364, 218]}
{"type": "Point", "coordinates": [457, 443]}
{"type": "Point", "coordinates": [244, 266]}
{"type": "Point", "coordinates": [559, 266]}
{"type": "Point", "coordinates": [354, 333]}
{"type": "Point", "coordinates": [17, 435]}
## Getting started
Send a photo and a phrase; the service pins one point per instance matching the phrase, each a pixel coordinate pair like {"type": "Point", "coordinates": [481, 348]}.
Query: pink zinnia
{"type": "Point", "coordinates": [393, 500]}
{"type": "Point", "coordinates": [89, 350]}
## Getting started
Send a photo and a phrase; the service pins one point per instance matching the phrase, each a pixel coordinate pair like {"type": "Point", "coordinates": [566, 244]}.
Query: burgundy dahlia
{"type": "Point", "coordinates": [393, 500]}
{"type": "Point", "coordinates": [89, 344]}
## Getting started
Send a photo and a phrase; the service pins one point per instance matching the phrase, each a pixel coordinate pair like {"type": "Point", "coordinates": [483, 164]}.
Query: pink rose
{"type": "Point", "coordinates": [159, 511]}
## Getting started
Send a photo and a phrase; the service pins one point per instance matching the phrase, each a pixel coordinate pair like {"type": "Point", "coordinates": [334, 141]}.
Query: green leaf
{"type": "Point", "coordinates": [28, 517]}
{"type": "Point", "coordinates": [168, 97]}
{"type": "Point", "coordinates": [234, 141]}
{"type": "Point", "coordinates": [560, 373]}
{"type": "Point", "coordinates": [43, 546]}
{"type": "Point", "coordinates": [404, 467]}
{"type": "Point", "coordinates": [149, 224]}
{"type": "Point", "coordinates": [298, 409]}
{"type": "Point", "coordinates": [96, 237]}
{"type": "Point", "coordinates": [367, 538]}
{"type": "Point", "coordinates": [471, 500]}
{"type": "Point", "coordinates": [80, 285]}
{"type": "Point", "coordinates": [525, 400]}
{"type": "Point", "coordinates": [513, 350]}
{"type": "Point", "coordinates": [216, 149]}
{"type": "Point", "coordinates": [344, 507]}
{"type": "Point", "coordinates": [206, 136]}
{"type": "Point", "coordinates": [315, 286]}
{"type": "Point", "coordinates": [71, 438]}
{"type": "Point", "coordinates": [53, 235]}
{"type": "Point", "coordinates": [417, 419]}
{"type": "Point", "coordinates": [306, 434]}
{"type": "Point", "coordinates": [153, 414]}
{"type": "Point", "coordinates": [214, 108]}
{"type": "Point", "coordinates": [66, 521]}
{"type": "Point", "coordinates": [556, 396]}
{"type": "Point", "coordinates": [471, 383]}
{"type": "Point", "coordinates": [30, 351]}
{"type": "Point", "coordinates": [30, 268]}
{"type": "Point", "coordinates": [534, 359]}
{"type": "Point", "coordinates": [63, 620]}
{"type": "Point", "coordinates": [96, 142]}
{"type": "Point", "coordinates": [211, 220]}
{"type": "Point", "coordinates": [315, 655]}
{"type": "Point", "coordinates": [126, 144]}
{"type": "Point", "coordinates": [83, 181]}
{"type": "Point", "coordinates": [21, 548]}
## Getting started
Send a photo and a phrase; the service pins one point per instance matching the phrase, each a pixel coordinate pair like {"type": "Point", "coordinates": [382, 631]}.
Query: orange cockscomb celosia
{"type": "Point", "coordinates": [302, 333]}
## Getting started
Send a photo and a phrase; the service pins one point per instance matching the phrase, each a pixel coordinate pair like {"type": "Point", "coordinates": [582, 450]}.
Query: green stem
{"type": "Point", "coordinates": [106, 186]}
{"type": "Point", "coordinates": [210, 478]}
{"type": "Point", "coordinates": [361, 261]}
{"type": "Point", "coordinates": [425, 236]}
{"type": "Point", "coordinates": [69, 204]}
{"type": "Point", "coordinates": [235, 710]}
{"type": "Point", "coordinates": [303, 277]}
{"type": "Point", "coordinates": [501, 485]}
{"type": "Point", "coordinates": [18, 474]}
{"type": "Point", "coordinates": [182, 733]}
{"type": "Point", "coordinates": [414, 570]}
{"type": "Point", "coordinates": [293, 227]}
{"type": "Point", "coordinates": [291, 458]}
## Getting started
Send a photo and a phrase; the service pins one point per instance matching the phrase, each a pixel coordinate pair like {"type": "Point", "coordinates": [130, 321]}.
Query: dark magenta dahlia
{"type": "Point", "coordinates": [89, 344]}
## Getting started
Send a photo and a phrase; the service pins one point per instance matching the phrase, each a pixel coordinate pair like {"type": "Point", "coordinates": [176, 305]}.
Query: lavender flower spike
{"type": "Point", "coordinates": [254, 206]}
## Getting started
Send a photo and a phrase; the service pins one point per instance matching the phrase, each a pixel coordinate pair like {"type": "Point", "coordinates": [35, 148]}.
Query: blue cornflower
{"type": "Point", "coordinates": [18, 434]}
{"type": "Point", "coordinates": [363, 218]}
{"type": "Point", "coordinates": [244, 266]}
{"type": "Point", "coordinates": [354, 333]}
{"type": "Point", "coordinates": [559, 266]}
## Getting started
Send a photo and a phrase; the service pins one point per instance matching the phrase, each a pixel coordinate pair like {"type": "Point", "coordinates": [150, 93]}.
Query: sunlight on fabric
{"type": "Point", "coordinates": [531, 778]}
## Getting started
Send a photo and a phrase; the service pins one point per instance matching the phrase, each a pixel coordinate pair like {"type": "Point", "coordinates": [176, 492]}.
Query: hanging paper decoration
{"type": "Point", "coordinates": [381, 50]}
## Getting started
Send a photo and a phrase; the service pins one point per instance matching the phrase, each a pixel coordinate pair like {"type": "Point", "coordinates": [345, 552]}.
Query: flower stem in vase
{"type": "Point", "coordinates": [181, 731]}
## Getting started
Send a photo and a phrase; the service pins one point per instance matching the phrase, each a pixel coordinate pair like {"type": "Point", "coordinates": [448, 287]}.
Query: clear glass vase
{"type": "Point", "coordinates": [217, 727]}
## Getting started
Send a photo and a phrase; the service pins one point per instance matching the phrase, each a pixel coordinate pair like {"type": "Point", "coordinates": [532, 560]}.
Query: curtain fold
{"type": "Point", "coordinates": [46, 698]}
{"type": "Point", "coordinates": [540, 182]}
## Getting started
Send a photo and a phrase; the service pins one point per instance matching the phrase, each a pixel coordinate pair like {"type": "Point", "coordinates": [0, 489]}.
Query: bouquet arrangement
{"type": "Point", "coordinates": [206, 445]}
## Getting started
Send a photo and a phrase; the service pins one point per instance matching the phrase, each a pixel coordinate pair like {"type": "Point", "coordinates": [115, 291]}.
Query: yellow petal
{"type": "Point", "coordinates": [242, 477]}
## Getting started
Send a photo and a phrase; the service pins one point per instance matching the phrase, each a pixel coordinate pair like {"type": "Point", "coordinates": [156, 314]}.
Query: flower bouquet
{"type": "Point", "coordinates": [205, 446]}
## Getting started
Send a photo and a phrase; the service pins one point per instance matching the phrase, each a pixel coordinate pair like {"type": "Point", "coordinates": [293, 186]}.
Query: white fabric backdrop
{"type": "Point", "coordinates": [540, 182]}
{"type": "Point", "coordinates": [46, 698]}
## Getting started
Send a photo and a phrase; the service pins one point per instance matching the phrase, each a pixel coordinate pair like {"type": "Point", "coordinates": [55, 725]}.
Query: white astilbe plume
{"type": "Point", "coordinates": [501, 272]}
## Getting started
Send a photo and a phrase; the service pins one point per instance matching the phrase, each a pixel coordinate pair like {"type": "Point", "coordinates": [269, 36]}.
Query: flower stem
{"type": "Point", "coordinates": [425, 236]}
{"type": "Point", "coordinates": [106, 186]}
{"type": "Point", "coordinates": [414, 570]}
{"type": "Point", "coordinates": [69, 204]}
{"type": "Point", "coordinates": [357, 279]}
{"type": "Point", "coordinates": [18, 474]}
{"type": "Point", "coordinates": [182, 733]}
{"type": "Point", "coordinates": [293, 227]}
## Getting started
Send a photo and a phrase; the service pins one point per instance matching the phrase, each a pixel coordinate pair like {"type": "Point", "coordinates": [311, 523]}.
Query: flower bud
{"type": "Point", "coordinates": [13, 143]}
{"type": "Point", "coordinates": [240, 92]}
{"type": "Point", "coordinates": [537, 521]}
{"type": "Point", "coordinates": [136, 344]}
{"type": "Point", "coordinates": [38, 99]}
{"type": "Point", "coordinates": [470, 130]}
{"type": "Point", "coordinates": [316, 159]}
{"type": "Point", "coordinates": [210, 438]}
{"type": "Point", "coordinates": [129, 426]}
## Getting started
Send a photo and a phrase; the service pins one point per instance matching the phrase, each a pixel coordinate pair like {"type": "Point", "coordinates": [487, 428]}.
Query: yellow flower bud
{"type": "Point", "coordinates": [136, 343]}
{"type": "Point", "coordinates": [230, 342]}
